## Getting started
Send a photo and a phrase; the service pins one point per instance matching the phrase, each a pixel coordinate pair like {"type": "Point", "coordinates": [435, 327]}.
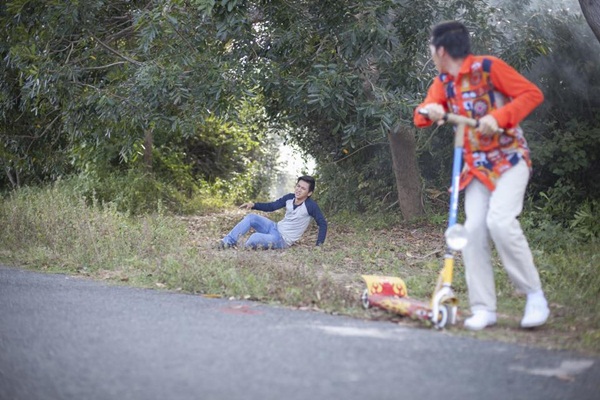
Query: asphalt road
{"type": "Point", "coordinates": [63, 337]}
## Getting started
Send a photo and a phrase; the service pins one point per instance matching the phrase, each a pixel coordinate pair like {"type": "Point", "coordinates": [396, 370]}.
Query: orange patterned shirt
{"type": "Point", "coordinates": [486, 85]}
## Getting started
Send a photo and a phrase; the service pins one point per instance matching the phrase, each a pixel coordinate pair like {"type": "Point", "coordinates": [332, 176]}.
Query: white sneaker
{"type": "Point", "coordinates": [480, 319]}
{"type": "Point", "coordinates": [536, 311]}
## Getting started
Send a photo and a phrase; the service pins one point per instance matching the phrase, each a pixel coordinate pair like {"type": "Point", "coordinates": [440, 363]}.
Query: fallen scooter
{"type": "Point", "coordinates": [390, 293]}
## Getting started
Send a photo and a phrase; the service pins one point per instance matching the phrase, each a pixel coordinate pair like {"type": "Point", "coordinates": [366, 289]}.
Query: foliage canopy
{"type": "Point", "coordinates": [196, 91]}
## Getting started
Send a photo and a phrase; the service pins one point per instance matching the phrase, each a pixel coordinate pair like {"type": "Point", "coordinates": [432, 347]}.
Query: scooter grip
{"type": "Point", "coordinates": [425, 113]}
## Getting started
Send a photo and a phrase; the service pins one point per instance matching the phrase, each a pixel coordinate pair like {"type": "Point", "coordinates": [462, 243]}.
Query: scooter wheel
{"type": "Point", "coordinates": [365, 299]}
{"type": "Point", "coordinates": [442, 318]}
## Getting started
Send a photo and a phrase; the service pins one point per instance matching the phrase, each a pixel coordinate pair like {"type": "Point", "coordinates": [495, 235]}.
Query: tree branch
{"type": "Point", "coordinates": [115, 52]}
{"type": "Point", "coordinates": [106, 66]}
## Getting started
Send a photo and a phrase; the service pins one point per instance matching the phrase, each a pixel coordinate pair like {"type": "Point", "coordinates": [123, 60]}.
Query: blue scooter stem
{"type": "Point", "coordinates": [456, 169]}
{"type": "Point", "coordinates": [459, 133]}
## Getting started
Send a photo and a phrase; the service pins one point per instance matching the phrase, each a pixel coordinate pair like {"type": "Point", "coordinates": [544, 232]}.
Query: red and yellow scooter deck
{"type": "Point", "coordinates": [389, 293]}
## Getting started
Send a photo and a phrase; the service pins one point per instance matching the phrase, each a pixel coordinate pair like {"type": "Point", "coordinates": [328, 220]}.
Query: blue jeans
{"type": "Point", "coordinates": [266, 236]}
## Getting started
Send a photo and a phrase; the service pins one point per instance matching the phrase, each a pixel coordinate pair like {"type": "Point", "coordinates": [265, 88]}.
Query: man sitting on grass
{"type": "Point", "coordinates": [299, 208]}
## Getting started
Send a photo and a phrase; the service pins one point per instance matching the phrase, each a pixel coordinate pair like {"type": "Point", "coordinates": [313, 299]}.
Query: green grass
{"type": "Point", "coordinates": [53, 229]}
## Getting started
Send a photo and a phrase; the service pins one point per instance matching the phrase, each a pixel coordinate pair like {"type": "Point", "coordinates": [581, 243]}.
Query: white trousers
{"type": "Point", "coordinates": [493, 215]}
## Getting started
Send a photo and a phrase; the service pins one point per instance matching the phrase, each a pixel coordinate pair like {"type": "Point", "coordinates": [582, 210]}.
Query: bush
{"type": "Point", "coordinates": [56, 227]}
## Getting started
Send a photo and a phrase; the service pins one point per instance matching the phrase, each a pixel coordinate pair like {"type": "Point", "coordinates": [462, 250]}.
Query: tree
{"type": "Point", "coordinates": [116, 83]}
{"type": "Point", "coordinates": [131, 76]}
{"type": "Point", "coordinates": [349, 80]}
{"type": "Point", "coordinates": [166, 86]}
{"type": "Point", "coordinates": [591, 12]}
{"type": "Point", "coordinates": [332, 75]}
{"type": "Point", "coordinates": [563, 133]}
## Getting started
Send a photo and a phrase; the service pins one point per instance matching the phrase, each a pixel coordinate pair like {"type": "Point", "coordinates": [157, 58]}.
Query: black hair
{"type": "Point", "coordinates": [308, 179]}
{"type": "Point", "coordinates": [453, 36]}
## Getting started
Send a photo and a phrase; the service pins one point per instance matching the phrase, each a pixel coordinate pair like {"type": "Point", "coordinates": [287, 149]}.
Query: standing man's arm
{"type": "Point", "coordinates": [315, 212]}
{"type": "Point", "coordinates": [524, 95]}
{"type": "Point", "coordinates": [436, 97]}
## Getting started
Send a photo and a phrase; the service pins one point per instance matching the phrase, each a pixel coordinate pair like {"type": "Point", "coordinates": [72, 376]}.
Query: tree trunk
{"type": "Point", "coordinates": [14, 181]}
{"type": "Point", "coordinates": [591, 12]}
{"type": "Point", "coordinates": [148, 142]}
{"type": "Point", "coordinates": [404, 157]}
{"type": "Point", "coordinates": [408, 181]}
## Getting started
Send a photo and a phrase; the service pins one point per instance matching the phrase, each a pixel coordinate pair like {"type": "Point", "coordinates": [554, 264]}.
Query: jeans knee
{"type": "Point", "coordinates": [249, 217]}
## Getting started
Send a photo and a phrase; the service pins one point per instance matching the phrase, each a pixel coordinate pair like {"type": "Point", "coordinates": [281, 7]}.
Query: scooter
{"type": "Point", "coordinates": [390, 293]}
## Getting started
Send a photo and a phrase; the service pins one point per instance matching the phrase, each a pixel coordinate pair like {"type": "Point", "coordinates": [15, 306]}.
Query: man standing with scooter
{"type": "Point", "coordinates": [497, 167]}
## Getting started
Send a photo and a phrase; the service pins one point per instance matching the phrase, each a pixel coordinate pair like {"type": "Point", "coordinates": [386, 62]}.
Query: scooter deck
{"type": "Point", "coordinates": [389, 293]}
{"type": "Point", "coordinates": [404, 306]}
{"type": "Point", "coordinates": [385, 285]}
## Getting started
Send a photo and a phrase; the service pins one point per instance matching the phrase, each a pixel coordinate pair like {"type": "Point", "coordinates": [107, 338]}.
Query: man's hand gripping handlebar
{"type": "Point", "coordinates": [457, 120]}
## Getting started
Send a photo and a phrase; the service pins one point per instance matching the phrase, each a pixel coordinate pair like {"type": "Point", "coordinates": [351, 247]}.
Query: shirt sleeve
{"type": "Point", "coordinates": [435, 94]}
{"type": "Point", "coordinates": [314, 211]}
{"type": "Point", "coordinates": [524, 95]}
{"type": "Point", "coordinates": [274, 205]}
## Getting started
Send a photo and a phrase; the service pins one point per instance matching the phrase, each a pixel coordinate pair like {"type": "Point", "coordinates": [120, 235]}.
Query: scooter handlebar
{"type": "Point", "coordinates": [456, 119]}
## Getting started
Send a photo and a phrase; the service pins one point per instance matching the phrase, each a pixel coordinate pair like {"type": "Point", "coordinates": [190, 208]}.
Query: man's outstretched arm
{"type": "Point", "coordinates": [268, 207]}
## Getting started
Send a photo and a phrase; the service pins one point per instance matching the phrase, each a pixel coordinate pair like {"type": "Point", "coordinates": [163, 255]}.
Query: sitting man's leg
{"type": "Point", "coordinates": [259, 223]}
{"type": "Point", "coordinates": [269, 240]}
